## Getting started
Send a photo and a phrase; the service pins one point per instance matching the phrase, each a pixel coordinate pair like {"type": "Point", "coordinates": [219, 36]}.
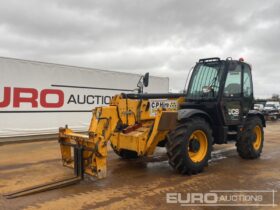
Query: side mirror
{"type": "Point", "coordinates": [146, 80]}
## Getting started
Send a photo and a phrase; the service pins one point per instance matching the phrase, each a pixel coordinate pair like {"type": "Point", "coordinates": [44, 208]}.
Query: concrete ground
{"type": "Point", "coordinates": [137, 184]}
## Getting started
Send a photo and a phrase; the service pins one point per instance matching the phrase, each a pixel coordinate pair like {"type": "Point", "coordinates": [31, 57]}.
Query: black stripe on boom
{"type": "Point", "coordinates": [96, 88]}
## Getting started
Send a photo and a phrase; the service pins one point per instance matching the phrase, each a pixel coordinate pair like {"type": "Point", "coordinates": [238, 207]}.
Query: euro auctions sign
{"type": "Point", "coordinates": [46, 98]}
{"type": "Point", "coordinates": [38, 98]}
{"type": "Point", "coordinates": [34, 97]}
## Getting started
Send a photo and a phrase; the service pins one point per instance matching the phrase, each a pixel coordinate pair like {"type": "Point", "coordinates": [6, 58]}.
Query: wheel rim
{"type": "Point", "coordinates": [197, 154]}
{"type": "Point", "coordinates": [258, 140]}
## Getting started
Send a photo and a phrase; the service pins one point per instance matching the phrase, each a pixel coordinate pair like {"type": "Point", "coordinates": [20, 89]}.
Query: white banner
{"type": "Point", "coordinates": [38, 98]}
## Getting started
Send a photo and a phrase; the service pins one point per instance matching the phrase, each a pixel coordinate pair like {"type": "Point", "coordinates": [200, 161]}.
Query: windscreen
{"type": "Point", "coordinates": [205, 76]}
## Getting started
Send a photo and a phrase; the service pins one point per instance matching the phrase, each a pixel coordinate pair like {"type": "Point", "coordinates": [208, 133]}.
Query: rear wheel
{"type": "Point", "coordinates": [250, 142]}
{"type": "Point", "coordinates": [189, 146]}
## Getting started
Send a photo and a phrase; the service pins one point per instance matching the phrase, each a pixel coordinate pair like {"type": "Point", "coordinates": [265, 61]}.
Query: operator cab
{"type": "Point", "coordinates": [224, 90]}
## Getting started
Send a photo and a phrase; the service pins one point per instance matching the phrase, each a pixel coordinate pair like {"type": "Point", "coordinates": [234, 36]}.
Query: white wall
{"type": "Point", "coordinates": [16, 75]}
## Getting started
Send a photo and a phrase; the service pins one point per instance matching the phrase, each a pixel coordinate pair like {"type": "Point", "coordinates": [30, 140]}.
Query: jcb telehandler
{"type": "Point", "coordinates": [215, 109]}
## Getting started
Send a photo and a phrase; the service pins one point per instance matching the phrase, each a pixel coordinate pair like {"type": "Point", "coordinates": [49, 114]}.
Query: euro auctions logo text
{"type": "Point", "coordinates": [224, 198]}
{"type": "Point", "coordinates": [17, 97]}
{"type": "Point", "coordinates": [192, 198]}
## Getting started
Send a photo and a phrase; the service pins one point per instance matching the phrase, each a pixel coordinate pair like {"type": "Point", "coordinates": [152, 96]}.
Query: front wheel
{"type": "Point", "coordinates": [189, 146]}
{"type": "Point", "coordinates": [250, 142]}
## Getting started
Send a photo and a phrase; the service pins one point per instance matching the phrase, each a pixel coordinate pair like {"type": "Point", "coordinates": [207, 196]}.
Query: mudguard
{"type": "Point", "coordinates": [253, 113]}
{"type": "Point", "coordinates": [187, 113]}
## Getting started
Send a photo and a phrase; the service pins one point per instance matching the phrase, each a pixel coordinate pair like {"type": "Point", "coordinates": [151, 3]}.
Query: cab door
{"type": "Point", "coordinates": [232, 95]}
{"type": "Point", "coordinates": [247, 92]}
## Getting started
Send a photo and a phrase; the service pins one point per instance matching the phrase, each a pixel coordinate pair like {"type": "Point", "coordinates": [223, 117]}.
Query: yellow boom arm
{"type": "Point", "coordinates": [127, 123]}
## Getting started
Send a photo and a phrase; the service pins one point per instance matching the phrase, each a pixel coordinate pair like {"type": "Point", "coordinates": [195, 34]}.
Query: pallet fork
{"type": "Point", "coordinates": [78, 171]}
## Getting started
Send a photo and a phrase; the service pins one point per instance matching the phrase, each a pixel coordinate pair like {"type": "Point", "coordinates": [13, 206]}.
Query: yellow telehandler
{"type": "Point", "coordinates": [215, 108]}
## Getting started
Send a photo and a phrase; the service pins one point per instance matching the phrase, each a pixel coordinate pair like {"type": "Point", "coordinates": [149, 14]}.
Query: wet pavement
{"type": "Point", "coordinates": [140, 184]}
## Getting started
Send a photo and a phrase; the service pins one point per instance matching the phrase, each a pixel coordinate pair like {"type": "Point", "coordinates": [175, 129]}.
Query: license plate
{"type": "Point", "coordinates": [166, 104]}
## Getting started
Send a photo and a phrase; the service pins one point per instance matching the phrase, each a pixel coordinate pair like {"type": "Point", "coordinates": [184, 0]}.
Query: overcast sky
{"type": "Point", "coordinates": [163, 37]}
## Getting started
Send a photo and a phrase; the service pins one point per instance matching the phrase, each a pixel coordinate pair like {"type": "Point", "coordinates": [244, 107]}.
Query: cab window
{"type": "Point", "coordinates": [247, 82]}
{"type": "Point", "coordinates": [233, 82]}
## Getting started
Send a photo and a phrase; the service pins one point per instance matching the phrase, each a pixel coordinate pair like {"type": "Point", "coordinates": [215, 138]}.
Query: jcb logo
{"type": "Point", "coordinates": [233, 112]}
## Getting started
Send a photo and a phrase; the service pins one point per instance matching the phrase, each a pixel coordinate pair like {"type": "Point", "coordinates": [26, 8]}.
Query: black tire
{"type": "Point", "coordinates": [178, 146]}
{"type": "Point", "coordinates": [247, 140]}
{"type": "Point", "coordinates": [125, 154]}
